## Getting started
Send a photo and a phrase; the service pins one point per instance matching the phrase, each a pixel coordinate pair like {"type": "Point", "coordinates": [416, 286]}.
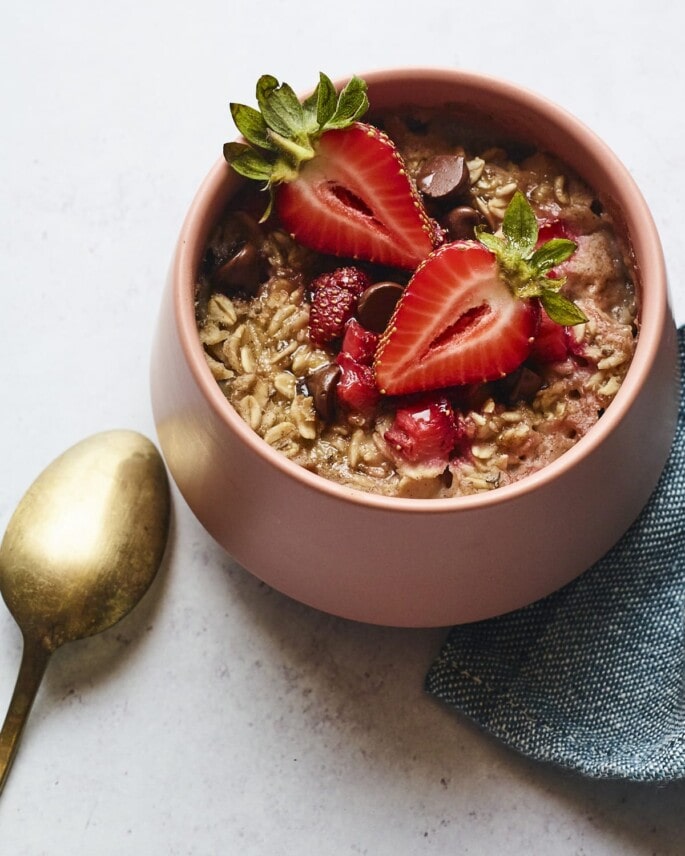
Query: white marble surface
{"type": "Point", "coordinates": [221, 717]}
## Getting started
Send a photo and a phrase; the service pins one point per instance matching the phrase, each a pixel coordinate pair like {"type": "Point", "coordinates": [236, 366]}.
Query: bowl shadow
{"type": "Point", "coordinates": [361, 686]}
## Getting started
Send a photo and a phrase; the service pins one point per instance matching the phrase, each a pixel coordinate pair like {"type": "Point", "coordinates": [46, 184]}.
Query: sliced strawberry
{"type": "Point", "coordinates": [354, 198]}
{"type": "Point", "coordinates": [457, 322]}
{"type": "Point", "coordinates": [339, 185]}
{"type": "Point", "coordinates": [425, 433]}
{"type": "Point", "coordinates": [359, 342]}
{"type": "Point", "coordinates": [356, 387]}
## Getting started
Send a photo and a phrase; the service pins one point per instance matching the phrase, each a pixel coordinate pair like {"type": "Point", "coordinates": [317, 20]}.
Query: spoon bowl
{"type": "Point", "coordinates": [79, 552]}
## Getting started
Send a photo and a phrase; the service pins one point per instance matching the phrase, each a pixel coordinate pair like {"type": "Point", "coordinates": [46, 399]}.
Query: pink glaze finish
{"type": "Point", "coordinates": [422, 562]}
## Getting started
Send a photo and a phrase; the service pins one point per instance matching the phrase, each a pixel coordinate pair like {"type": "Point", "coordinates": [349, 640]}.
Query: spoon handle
{"type": "Point", "coordinates": [34, 659]}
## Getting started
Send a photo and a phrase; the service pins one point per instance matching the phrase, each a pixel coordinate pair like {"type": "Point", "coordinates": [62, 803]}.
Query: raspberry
{"type": "Point", "coordinates": [334, 301]}
{"type": "Point", "coordinates": [331, 309]}
{"type": "Point", "coordinates": [350, 278]}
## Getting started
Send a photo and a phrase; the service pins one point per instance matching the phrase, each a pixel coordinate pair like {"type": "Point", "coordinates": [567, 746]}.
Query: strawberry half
{"type": "Point", "coordinates": [354, 198]}
{"type": "Point", "coordinates": [456, 323]}
{"type": "Point", "coordinates": [338, 185]}
{"type": "Point", "coordinates": [471, 311]}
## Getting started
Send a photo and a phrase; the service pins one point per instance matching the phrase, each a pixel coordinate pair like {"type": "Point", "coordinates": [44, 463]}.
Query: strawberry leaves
{"type": "Point", "coordinates": [560, 309]}
{"type": "Point", "coordinates": [351, 104]}
{"type": "Point", "coordinates": [520, 226]}
{"type": "Point", "coordinates": [322, 102]}
{"type": "Point", "coordinates": [282, 133]}
{"type": "Point", "coordinates": [526, 268]}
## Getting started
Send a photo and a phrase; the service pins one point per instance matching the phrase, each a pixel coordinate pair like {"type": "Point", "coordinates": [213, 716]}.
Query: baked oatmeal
{"type": "Point", "coordinates": [445, 347]}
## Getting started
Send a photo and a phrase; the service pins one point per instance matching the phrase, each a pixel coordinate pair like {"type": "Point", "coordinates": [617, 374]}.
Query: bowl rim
{"type": "Point", "coordinates": [650, 267]}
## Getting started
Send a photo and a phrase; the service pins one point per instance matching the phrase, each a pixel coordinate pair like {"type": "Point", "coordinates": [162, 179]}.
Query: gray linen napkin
{"type": "Point", "coordinates": [592, 677]}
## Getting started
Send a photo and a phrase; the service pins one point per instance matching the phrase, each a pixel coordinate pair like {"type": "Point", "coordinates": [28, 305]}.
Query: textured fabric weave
{"type": "Point", "coordinates": [592, 677]}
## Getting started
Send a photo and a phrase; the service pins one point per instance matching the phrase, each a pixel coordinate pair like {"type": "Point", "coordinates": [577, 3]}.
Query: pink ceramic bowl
{"type": "Point", "coordinates": [422, 562]}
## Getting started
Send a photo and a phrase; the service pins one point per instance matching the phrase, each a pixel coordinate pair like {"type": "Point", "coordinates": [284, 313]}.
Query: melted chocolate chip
{"type": "Point", "coordinates": [460, 222]}
{"type": "Point", "coordinates": [234, 261]}
{"type": "Point", "coordinates": [416, 124]}
{"type": "Point", "coordinates": [242, 272]}
{"type": "Point", "coordinates": [596, 207]}
{"type": "Point", "coordinates": [249, 227]}
{"type": "Point", "coordinates": [376, 305]}
{"type": "Point", "coordinates": [444, 178]}
{"type": "Point", "coordinates": [521, 385]}
{"type": "Point", "coordinates": [321, 385]}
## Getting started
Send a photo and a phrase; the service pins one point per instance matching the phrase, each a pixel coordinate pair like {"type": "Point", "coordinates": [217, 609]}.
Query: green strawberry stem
{"type": "Point", "coordinates": [282, 134]}
{"type": "Point", "coordinates": [296, 152]}
{"type": "Point", "coordinates": [525, 269]}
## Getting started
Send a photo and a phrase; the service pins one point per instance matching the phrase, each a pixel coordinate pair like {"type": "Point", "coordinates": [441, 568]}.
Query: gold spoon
{"type": "Point", "coordinates": [80, 551]}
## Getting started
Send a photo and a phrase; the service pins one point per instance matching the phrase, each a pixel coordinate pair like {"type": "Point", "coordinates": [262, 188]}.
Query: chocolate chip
{"type": "Point", "coordinates": [460, 222]}
{"type": "Point", "coordinates": [416, 124]}
{"type": "Point", "coordinates": [376, 305]}
{"type": "Point", "coordinates": [249, 227]}
{"type": "Point", "coordinates": [242, 272]}
{"type": "Point", "coordinates": [444, 177]}
{"type": "Point", "coordinates": [521, 385]}
{"type": "Point", "coordinates": [321, 385]}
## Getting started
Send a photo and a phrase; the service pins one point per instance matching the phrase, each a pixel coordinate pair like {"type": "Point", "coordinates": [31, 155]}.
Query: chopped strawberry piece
{"type": "Point", "coordinates": [355, 199]}
{"type": "Point", "coordinates": [457, 322]}
{"type": "Point", "coordinates": [425, 433]}
{"type": "Point", "coordinates": [359, 342]}
{"type": "Point", "coordinates": [551, 343]}
{"type": "Point", "coordinates": [553, 229]}
{"type": "Point", "coordinates": [356, 387]}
